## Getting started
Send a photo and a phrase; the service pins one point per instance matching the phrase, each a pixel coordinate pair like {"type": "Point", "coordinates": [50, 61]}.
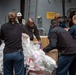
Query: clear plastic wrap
{"type": "Point", "coordinates": [35, 58]}
{"type": "Point", "coordinates": [1, 57]}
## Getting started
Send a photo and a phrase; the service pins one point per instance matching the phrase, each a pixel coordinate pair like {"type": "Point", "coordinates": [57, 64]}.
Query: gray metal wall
{"type": "Point", "coordinates": [43, 7]}
{"type": "Point", "coordinates": [56, 6]}
{"type": "Point", "coordinates": [6, 6]}
{"type": "Point", "coordinates": [31, 9]}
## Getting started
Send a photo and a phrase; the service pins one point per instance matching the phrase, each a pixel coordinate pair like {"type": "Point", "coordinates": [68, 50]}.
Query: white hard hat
{"type": "Point", "coordinates": [57, 15]}
{"type": "Point", "coordinates": [19, 14]}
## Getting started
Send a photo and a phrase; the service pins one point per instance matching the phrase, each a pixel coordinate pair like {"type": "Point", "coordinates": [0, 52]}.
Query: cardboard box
{"type": "Point", "coordinates": [53, 54]}
{"type": "Point", "coordinates": [44, 41]}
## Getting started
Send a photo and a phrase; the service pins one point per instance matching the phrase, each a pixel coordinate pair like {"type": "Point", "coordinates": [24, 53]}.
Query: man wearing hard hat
{"type": "Point", "coordinates": [20, 20]}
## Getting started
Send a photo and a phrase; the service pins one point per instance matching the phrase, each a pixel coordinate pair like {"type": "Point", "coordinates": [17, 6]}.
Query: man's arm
{"type": "Point", "coordinates": [36, 33]}
{"type": "Point", "coordinates": [49, 32]}
{"type": "Point", "coordinates": [53, 42]}
{"type": "Point", "coordinates": [1, 34]}
{"type": "Point", "coordinates": [71, 30]}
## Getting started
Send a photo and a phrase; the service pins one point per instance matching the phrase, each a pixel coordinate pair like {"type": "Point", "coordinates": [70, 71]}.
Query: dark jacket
{"type": "Point", "coordinates": [12, 36]}
{"type": "Point", "coordinates": [62, 24]}
{"type": "Point", "coordinates": [61, 40]}
{"type": "Point", "coordinates": [49, 32]}
{"type": "Point", "coordinates": [31, 31]}
{"type": "Point", "coordinates": [72, 31]}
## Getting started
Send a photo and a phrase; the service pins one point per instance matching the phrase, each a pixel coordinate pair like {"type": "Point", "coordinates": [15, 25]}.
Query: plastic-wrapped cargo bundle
{"type": "Point", "coordinates": [35, 58]}
{"type": "Point", "coordinates": [1, 58]}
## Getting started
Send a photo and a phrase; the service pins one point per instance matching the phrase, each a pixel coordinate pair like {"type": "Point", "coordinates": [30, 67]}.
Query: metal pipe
{"type": "Point", "coordinates": [22, 7]}
{"type": "Point", "coordinates": [36, 10]}
{"type": "Point", "coordinates": [63, 9]}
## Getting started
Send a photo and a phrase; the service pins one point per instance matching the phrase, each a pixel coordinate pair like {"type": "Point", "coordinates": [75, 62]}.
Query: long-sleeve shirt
{"type": "Point", "coordinates": [61, 24]}
{"type": "Point", "coordinates": [72, 31]}
{"type": "Point", "coordinates": [49, 32]}
{"type": "Point", "coordinates": [11, 34]}
{"type": "Point", "coordinates": [61, 40]}
{"type": "Point", "coordinates": [31, 31]}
